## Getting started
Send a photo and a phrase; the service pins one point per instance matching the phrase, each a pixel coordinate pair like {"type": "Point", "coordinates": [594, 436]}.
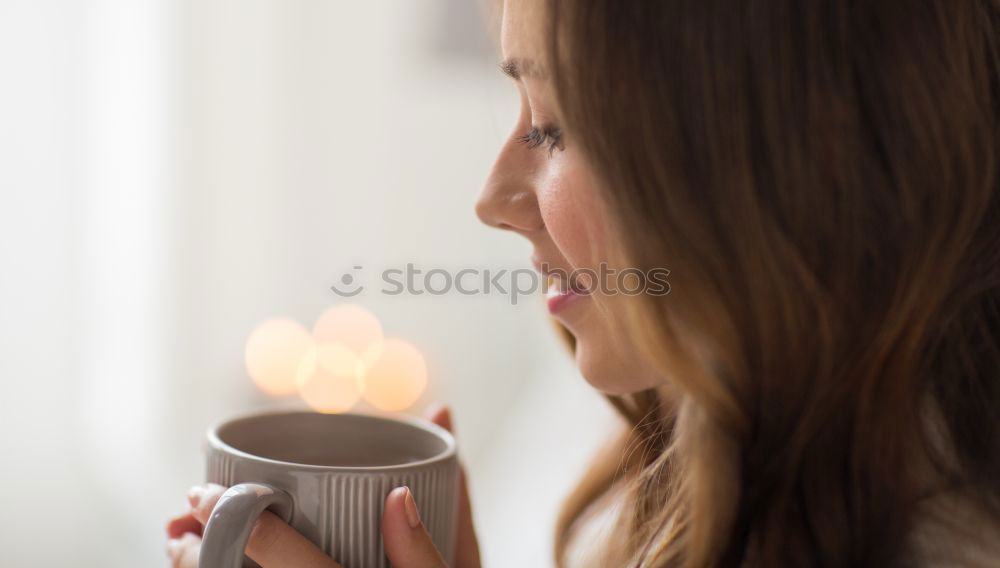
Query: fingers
{"type": "Point", "coordinates": [273, 543]}
{"type": "Point", "coordinates": [205, 495]}
{"type": "Point", "coordinates": [184, 530]}
{"type": "Point", "coordinates": [184, 550]}
{"type": "Point", "coordinates": [203, 498]}
{"type": "Point", "coordinates": [467, 545]}
{"type": "Point", "coordinates": [407, 543]}
{"type": "Point", "coordinates": [183, 524]}
{"type": "Point", "coordinates": [441, 415]}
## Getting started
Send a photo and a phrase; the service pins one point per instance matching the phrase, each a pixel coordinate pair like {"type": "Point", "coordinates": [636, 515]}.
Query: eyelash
{"type": "Point", "coordinates": [538, 136]}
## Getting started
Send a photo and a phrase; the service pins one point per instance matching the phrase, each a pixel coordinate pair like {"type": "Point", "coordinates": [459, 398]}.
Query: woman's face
{"type": "Point", "coordinates": [542, 188]}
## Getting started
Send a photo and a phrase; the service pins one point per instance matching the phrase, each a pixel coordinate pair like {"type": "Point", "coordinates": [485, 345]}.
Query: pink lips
{"type": "Point", "coordinates": [559, 294]}
{"type": "Point", "coordinates": [557, 301]}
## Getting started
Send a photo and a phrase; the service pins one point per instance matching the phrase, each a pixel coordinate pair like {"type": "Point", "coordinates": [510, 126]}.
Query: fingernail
{"type": "Point", "coordinates": [412, 515]}
{"type": "Point", "coordinates": [195, 495]}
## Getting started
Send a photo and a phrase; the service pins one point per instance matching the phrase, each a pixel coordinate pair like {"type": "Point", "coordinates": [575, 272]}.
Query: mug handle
{"type": "Point", "coordinates": [229, 526]}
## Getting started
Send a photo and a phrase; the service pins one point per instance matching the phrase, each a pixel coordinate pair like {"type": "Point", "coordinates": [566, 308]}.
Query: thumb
{"type": "Point", "coordinates": [406, 541]}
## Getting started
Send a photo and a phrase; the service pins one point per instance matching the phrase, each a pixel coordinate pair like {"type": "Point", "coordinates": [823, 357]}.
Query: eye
{"type": "Point", "coordinates": [550, 136]}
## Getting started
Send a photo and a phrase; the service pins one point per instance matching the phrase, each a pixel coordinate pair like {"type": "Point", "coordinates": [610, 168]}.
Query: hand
{"type": "Point", "coordinates": [274, 544]}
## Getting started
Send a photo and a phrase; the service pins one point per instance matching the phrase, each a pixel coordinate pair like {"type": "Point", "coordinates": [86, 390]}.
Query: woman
{"type": "Point", "coordinates": [821, 386]}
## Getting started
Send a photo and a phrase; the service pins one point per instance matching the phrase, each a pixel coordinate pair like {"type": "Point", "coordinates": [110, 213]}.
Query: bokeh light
{"type": "Point", "coordinates": [344, 359]}
{"type": "Point", "coordinates": [330, 378]}
{"type": "Point", "coordinates": [273, 352]}
{"type": "Point", "coordinates": [349, 324]}
{"type": "Point", "coordinates": [397, 378]}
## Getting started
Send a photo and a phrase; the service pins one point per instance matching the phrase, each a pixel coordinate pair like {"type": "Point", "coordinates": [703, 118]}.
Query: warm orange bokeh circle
{"type": "Point", "coordinates": [344, 359]}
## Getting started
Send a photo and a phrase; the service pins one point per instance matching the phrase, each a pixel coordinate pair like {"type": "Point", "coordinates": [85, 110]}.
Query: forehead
{"type": "Point", "coordinates": [522, 34]}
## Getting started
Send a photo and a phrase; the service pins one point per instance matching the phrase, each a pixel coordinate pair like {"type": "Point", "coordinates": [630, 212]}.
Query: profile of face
{"type": "Point", "coordinates": [542, 188]}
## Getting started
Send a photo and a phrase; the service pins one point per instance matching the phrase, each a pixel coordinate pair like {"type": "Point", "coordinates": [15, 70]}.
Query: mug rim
{"type": "Point", "coordinates": [449, 452]}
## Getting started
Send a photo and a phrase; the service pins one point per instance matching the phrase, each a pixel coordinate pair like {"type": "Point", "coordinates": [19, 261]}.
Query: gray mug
{"type": "Point", "coordinates": [327, 475]}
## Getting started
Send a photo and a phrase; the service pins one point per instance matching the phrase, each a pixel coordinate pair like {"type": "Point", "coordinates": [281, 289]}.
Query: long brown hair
{"type": "Point", "coordinates": [820, 176]}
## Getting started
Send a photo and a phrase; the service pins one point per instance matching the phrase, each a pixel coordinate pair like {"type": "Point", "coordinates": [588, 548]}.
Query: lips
{"type": "Point", "coordinates": [561, 290]}
{"type": "Point", "coordinates": [561, 295]}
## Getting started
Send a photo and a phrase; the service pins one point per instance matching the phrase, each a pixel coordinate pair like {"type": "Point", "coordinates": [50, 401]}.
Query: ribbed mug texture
{"type": "Point", "coordinates": [341, 511]}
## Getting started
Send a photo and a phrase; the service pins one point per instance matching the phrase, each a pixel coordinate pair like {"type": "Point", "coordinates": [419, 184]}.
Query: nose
{"type": "Point", "coordinates": [509, 199]}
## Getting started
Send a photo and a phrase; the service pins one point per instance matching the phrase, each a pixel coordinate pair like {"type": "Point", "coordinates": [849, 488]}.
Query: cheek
{"type": "Point", "coordinates": [570, 207]}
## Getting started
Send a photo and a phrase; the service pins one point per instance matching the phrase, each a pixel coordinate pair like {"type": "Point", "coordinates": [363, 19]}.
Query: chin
{"type": "Point", "coordinates": [607, 371]}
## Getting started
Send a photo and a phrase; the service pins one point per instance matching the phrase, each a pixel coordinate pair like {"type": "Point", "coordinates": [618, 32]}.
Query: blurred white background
{"type": "Point", "coordinates": [175, 172]}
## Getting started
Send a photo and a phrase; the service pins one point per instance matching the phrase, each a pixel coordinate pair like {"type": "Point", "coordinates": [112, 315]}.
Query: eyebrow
{"type": "Point", "coordinates": [518, 68]}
